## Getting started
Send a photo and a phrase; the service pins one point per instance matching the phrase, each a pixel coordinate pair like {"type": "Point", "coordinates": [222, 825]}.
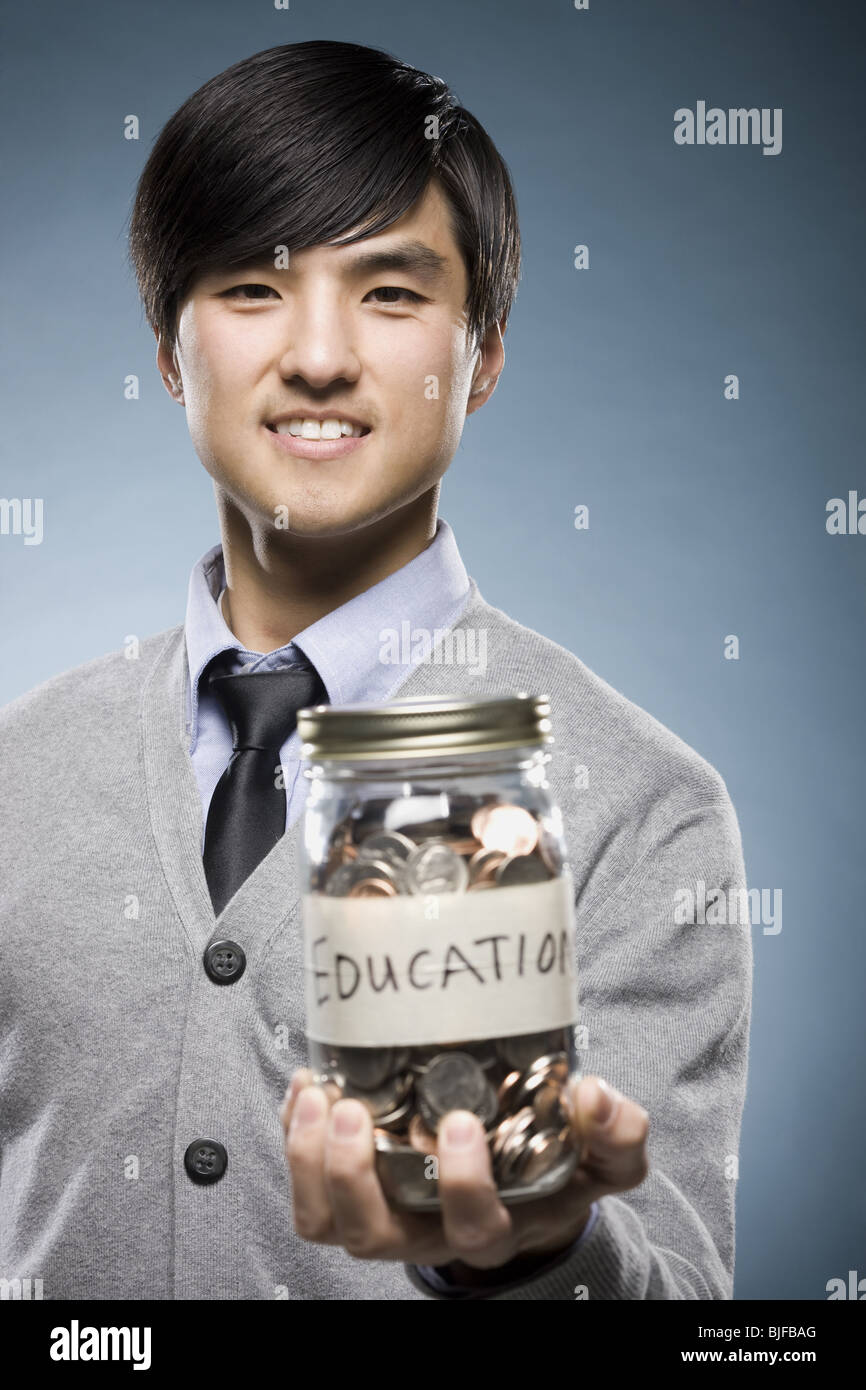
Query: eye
{"type": "Point", "coordinates": [411, 296]}
{"type": "Point", "coordinates": [235, 291]}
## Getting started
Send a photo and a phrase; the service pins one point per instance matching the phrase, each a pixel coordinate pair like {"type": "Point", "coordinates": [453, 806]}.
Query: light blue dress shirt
{"type": "Point", "coordinates": [346, 647]}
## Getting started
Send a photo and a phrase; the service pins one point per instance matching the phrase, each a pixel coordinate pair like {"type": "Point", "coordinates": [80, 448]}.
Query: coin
{"type": "Point", "coordinates": [550, 851]}
{"type": "Point", "coordinates": [453, 1081]}
{"type": "Point", "coordinates": [508, 1090]}
{"type": "Point", "coordinates": [484, 862]}
{"type": "Point", "coordinates": [521, 1051]}
{"type": "Point", "coordinates": [381, 1101]}
{"type": "Point", "coordinates": [547, 1105]}
{"type": "Point", "coordinates": [366, 1067]}
{"type": "Point", "coordinates": [397, 1120]}
{"type": "Point", "coordinates": [344, 879]}
{"type": "Point", "coordinates": [388, 1142]}
{"type": "Point", "coordinates": [507, 1128]}
{"type": "Point", "coordinates": [507, 827]}
{"type": "Point", "coordinates": [521, 868]}
{"type": "Point", "coordinates": [420, 1137]}
{"type": "Point", "coordinates": [544, 1071]}
{"type": "Point", "coordinates": [511, 1151]}
{"type": "Point", "coordinates": [372, 888]}
{"type": "Point", "coordinates": [435, 868]}
{"type": "Point", "coordinates": [542, 1153]}
{"type": "Point", "coordinates": [388, 846]}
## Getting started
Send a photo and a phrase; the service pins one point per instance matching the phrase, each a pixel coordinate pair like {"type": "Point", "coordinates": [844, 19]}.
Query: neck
{"type": "Point", "coordinates": [277, 583]}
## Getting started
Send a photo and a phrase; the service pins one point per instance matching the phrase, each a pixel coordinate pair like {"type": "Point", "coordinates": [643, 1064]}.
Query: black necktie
{"type": "Point", "coordinates": [247, 813]}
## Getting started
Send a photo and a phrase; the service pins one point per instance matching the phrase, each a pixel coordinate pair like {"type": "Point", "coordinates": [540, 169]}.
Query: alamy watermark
{"type": "Point", "coordinates": [463, 646]}
{"type": "Point", "coordinates": [741, 907]}
{"type": "Point", "coordinates": [737, 126]}
{"type": "Point", "coordinates": [22, 516]}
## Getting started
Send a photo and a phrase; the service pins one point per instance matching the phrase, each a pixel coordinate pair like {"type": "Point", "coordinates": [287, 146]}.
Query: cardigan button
{"type": "Point", "coordinates": [224, 962]}
{"type": "Point", "coordinates": [205, 1160]}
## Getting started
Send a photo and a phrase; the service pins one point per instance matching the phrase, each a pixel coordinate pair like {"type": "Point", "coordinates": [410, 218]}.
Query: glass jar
{"type": "Point", "coordinates": [439, 933]}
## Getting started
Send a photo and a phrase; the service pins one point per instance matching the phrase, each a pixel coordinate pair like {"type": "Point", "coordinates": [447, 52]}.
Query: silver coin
{"type": "Point", "coordinates": [397, 1121]}
{"type": "Point", "coordinates": [452, 1081]}
{"type": "Point", "coordinates": [521, 868]}
{"type": "Point", "coordinates": [522, 1050]}
{"type": "Point", "coordinates": [405, 1177]}
{"type": "Point", "coordinates": [367, 1067]}
{"type": "Point", "coordinates": [344, 878]}
{"type": "Point", "coordinates": [389, 845]}
{"type": "Point", "coordinates": [381, 1101]}
{"type": "Point", "coordinates": [435, 868]}
{"type": "Point", "coordinates": [550, 850]}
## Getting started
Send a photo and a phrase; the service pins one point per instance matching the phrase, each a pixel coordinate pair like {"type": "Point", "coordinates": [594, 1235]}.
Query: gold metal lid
{"type": "Point", "coordinates": [424, 727]}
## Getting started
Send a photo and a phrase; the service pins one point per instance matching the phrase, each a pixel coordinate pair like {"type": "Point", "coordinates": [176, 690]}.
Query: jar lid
{"type": "Point", "coordinates": [424, 727]}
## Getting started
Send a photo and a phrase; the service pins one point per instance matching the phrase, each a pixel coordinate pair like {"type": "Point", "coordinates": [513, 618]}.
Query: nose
{"type": "Point", "coordinates": [319, 343]}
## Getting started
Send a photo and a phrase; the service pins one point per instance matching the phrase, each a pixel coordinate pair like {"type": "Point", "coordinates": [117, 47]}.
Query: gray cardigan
{"type": "Point", "coordinates": [117, 1050]}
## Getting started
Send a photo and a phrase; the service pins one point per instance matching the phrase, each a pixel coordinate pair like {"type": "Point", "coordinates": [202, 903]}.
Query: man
{"type": "Point", "coordinates": [327, 250]}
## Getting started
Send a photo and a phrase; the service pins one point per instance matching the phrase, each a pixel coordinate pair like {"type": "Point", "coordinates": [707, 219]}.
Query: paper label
{"type": "Point", "coordinates": [440, 967]}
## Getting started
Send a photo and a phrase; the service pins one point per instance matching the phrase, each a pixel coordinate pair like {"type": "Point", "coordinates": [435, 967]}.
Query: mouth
{"type": "Point", "coordinates": [306, 438]}
{"type": "Point", "coordinates": [333, 427]}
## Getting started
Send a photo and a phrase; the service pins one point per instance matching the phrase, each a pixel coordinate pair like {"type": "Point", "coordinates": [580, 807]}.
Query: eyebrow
{"type": "Point", "coordinates": [413, 257]}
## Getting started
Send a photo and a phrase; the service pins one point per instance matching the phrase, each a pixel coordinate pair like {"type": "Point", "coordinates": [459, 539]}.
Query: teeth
{"type": "Point", "coordinates": [332, 428]}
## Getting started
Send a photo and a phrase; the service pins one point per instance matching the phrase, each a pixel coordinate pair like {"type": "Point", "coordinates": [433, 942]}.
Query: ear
{"type": "Point", "coordinates": [166, 362]}
{"type": "Point", "coordinates": [491, 360]}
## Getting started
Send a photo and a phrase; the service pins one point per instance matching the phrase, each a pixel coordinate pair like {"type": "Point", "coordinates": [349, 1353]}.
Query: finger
{"type": "Point", "coordinates": [302, 1077]}
{"type": "Point", "coordinates": [476, 1225]}
{"type": "Point", "coordinates": [305, 1151]}
{"type": "Point", "coordinates": [365, 1224]}
{"type": "Point", "coordinates": [612, 1131]}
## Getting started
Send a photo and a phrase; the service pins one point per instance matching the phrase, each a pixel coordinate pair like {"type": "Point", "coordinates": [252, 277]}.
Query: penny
{"type": "Point", "coordinates": [506, 827]}
{"type": "Point", "coordinates": [389, 1143]}
{"type": "Point", "coordinates": [545, 1071]}
{"type": "Point", "coordinates": [512, 1150]}
{"type": "Point", "coordinates": [547, 1105]}
{"type": "Point", "coordinates": [484, 862]}
{"type": "Point", "coordinates": [508, 1128]}
{"type": "Point", "coordinates": [542, 1153]}
{"type": "Point", "coordinates": [508, 1090]}
{"type": "Point", "coordinates": [420, 1137]}
{"type": "Point", "coordinates": [372, 888]}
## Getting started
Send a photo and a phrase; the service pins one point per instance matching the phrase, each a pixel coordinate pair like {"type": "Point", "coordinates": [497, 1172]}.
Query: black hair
{"type": "Point", "coordinates": [298, 145]}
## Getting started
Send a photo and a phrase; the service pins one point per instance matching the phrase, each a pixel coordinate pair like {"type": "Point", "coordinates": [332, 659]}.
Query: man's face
{"type": "Point", "coordinates": [383, 344]}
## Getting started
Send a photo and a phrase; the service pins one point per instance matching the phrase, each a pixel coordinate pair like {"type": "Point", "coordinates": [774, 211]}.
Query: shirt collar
{"type": "Point", "coordinates": [347, 645]}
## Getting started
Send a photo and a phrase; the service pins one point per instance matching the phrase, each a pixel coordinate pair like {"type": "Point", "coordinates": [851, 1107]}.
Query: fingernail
{"type": "Point", "coordinates": [605, 1105]}
{"type": "Point", "coordinates": [459, 1131]}
{"type": "Point", "coordinates": [346, 1120]}
{"type": "Point", "coordinates": [306, 1110]}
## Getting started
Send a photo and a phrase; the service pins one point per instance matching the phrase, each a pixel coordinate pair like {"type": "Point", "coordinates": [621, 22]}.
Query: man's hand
{"type": "Point", "coordinates": [338, 1199]}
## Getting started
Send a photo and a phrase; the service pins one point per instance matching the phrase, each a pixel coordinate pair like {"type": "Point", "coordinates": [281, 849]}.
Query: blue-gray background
{"type": "Point", "coordinates": [707, 516]}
